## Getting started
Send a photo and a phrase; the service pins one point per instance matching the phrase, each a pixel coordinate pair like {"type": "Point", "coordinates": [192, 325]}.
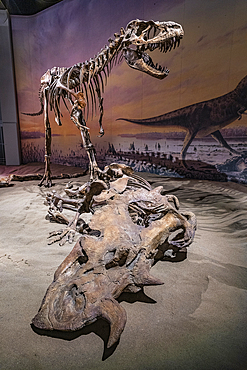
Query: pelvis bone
{"type": "Point", "coordinates": [137, 228]}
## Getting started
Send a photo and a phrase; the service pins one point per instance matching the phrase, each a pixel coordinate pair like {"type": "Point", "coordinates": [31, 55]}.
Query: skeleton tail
{"type": "Point", "coordinates": [41, 98]}
{"type": "Point", "coordinates": [36, 113]}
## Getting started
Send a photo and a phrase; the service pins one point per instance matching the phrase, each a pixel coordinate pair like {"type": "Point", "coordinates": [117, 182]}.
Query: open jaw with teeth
{"type": "Point", "coordinates": [166, 36]}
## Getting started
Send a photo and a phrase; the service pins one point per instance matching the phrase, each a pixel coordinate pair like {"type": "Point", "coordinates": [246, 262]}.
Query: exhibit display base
{"type": "Point", "coordinates": [196, 320]}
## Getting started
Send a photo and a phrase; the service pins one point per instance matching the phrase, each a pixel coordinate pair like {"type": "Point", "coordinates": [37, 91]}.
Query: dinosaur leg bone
{"type": "Point", "coordinates": [60, 203]}
{"type": "Point", "coordinates": [47, 175]}
{"type": "Point", "coordinates": [78, 119]}
{"type": "Point", "coordinates": [101, 109]}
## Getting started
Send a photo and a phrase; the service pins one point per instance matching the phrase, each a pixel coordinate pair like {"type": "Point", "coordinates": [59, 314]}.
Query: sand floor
{"type": "Point", "coordinates": [195, 321]}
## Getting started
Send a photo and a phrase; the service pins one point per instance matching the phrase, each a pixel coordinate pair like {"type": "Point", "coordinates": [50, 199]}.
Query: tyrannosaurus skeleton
{"type": "Point", "coordinates": [84, 82]}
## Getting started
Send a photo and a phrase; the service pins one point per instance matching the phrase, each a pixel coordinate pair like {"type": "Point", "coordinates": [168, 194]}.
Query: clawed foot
{"type": "Point", "coordinates": [68, 233]}
{"type": "Point", "coordinates": [62, 236]}
{"type": "Point", "coordinates": [46, 181]}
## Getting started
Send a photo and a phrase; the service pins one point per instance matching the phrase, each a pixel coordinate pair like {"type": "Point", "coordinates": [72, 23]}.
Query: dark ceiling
{"type": "Point", "coordinates": [27, 7]}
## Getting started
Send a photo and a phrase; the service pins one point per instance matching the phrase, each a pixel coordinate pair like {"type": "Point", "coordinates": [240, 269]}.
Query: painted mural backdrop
{"type": "Point", "coordinates": [210, 62]}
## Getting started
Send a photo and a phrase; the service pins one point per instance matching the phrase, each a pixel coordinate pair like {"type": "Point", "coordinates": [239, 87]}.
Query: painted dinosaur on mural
{"type": "Point", "coordinates": [204, 118]}
{"type": "Point", "coordinates": [82, 85]}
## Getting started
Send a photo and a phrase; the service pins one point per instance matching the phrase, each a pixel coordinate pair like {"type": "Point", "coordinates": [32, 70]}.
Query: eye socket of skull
{"type": "Point", "coordinates": [141, 27]}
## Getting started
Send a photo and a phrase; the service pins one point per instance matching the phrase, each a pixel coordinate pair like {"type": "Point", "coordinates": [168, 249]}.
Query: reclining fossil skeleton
{"type": "Point", "coordinates": [132, 227]}
{"type": "Point", "coordinates": [84, 82]}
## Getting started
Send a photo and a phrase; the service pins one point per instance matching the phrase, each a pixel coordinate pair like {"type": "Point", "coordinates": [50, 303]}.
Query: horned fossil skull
{"type": "Point", "coordinates": [136, 228]}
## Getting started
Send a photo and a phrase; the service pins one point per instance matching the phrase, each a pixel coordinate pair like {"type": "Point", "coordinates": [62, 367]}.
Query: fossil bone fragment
{"type": "Point", "coordinates": [5, 180]}
{"type": "Point", "coordinates": [137, 228]}
{"type": "Point", "coordinates": [84, 83]}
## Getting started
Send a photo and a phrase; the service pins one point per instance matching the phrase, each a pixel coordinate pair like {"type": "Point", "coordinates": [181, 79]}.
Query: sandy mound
{"type": "Point", "coordinates": [196, 320]}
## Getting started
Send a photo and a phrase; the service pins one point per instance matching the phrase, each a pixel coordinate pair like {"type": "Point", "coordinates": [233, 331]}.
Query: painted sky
{"type": "Point", "coordinates": [210, 61]}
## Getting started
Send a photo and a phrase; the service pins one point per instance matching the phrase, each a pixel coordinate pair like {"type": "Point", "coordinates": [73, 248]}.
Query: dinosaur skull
{"type": "Point", "coordinates": [150, 35]}
{"type": "Point", "coordinates": [137, 229]}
